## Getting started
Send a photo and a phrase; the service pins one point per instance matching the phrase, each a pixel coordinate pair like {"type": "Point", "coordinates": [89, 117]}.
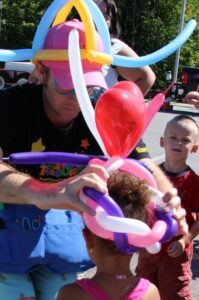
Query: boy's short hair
{"type": "Point", "coordinates": [184, 117]}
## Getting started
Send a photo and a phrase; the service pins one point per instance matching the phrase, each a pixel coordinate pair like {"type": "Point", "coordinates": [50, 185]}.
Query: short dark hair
{"type": "Point", "coordinates": [184, 117]}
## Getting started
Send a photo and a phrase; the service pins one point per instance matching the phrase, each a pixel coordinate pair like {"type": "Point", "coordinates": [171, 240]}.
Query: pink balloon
{"type": "Point", "coordinates": [153, 108]}
{"type": "Point", "coordinates": [138, 170]}
{"type": "Point", "coordinates": [120, 118]}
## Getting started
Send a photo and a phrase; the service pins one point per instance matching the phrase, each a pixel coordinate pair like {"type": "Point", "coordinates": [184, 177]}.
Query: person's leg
{"type": "Point", "coordinates": [16, 287]}
{"type": "Point", "coordinates": [174, 277]}
{"type": "Point", "coordinates": [47, 283]}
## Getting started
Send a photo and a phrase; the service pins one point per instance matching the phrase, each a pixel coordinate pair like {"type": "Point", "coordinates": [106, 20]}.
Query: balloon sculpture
{"type": "Point", "coordinates": [117, 128]}
{"type": "Point", "coordinates": [58, 11]}
{"type": "Point", "coordinates": [130, 234]}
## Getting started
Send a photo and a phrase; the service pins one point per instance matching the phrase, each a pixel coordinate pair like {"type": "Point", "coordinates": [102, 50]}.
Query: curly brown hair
{"type": "Point", "coordinates": [132, 195]}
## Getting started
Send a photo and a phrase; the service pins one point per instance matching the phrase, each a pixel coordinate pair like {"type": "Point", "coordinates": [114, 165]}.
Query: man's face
{"type": "Point", "coordinates": [61, 106]}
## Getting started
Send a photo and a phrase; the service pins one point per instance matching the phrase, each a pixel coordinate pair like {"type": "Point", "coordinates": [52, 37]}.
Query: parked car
{"type": "Point", "coordinates": [14, 73]}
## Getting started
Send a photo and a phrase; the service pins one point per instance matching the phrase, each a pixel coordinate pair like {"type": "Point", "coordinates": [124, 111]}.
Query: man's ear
{"type": "Point", "coordinates": [40, 72]}
{"type": "Point", "coordinates": [195, 148]}
{"type": "Point", "coordinates": [162, 142]}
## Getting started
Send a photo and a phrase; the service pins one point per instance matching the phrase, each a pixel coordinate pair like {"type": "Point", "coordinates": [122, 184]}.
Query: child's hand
{"type": "Point", "coordinates": [176, 248]}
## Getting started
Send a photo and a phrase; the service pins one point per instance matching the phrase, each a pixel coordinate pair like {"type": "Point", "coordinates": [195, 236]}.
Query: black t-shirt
{"type": "Point", "coordinates": [24, 125]}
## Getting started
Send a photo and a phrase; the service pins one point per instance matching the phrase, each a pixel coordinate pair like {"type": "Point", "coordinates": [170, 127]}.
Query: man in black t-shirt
{"type": "Point", "coordinates": [47, 117]}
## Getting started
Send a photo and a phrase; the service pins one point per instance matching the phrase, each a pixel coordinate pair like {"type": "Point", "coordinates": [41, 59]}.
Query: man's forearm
{"type": "Point", "coordinates": [19, 188]}
{"type": "Point", "coordinates": [13, 186]}
{"type": "Point", "coordinates": [164, 185]}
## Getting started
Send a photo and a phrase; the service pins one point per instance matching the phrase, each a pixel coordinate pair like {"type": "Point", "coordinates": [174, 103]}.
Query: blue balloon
{"type": "Point", "coordinates": [46, 22]}
{"type": "Point", "coordinates": [129, 62]}
{"type": "Point", "coordinates": [118, 60]}
{"type": "Point", "coordinates": [101, 25]}
{"type": "Point", "coordinates": [16, 55]}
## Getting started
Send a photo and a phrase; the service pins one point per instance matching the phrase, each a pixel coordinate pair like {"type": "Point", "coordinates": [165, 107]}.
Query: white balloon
{"type": "Point", "coordinates": [136, 230]}
{"type": "Point", "coordinates": [155, 248]}
{"type": "Point", "coordinates": [113, 164]}
{"type": "Point", "coordinates": [80, 87]}
{"type": "Point", "coordinates": [158, 199]}
{"type": "Point", "coordinates": [123, 225]}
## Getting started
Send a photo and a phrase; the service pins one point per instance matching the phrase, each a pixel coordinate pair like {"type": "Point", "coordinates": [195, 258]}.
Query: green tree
{"type": "Point", "coordinates": [19, 22]}
{"type": "Point", "coordinates": [149, 25]}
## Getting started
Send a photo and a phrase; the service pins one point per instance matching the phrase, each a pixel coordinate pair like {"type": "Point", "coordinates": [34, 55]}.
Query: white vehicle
{"type": "Point", "coordinates": [14, 73]}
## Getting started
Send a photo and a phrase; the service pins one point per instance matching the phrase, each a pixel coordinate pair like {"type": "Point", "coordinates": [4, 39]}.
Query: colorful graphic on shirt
{"type": "Point", "coordinates": [38, 146]}
{"type": "Point", "coordinates": [85, 144]}
{"type": "Point", "coordinates": [57, 171]}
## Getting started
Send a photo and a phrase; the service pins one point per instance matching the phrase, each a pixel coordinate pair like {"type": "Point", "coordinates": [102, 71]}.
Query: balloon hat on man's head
{"type": "Point", "coordinates": [57, 13]}
{"type": "Point", "coordinates": [58, 38]}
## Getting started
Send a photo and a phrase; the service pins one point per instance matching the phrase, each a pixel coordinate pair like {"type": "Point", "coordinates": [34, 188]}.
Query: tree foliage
{"type": "Point", "coordinates": [146, 25]}
{"type": "Point", "coordinates": [149, 25]}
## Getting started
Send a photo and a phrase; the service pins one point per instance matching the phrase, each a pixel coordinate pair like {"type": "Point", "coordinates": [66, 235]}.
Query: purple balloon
{"type": "Point", "coordinates": [112, 209]}
{"type": "Point", "coordinates": [172, 226]}
{"type": "Point", "coordinates": [30, 158]}
{"type": "Point", "coordinates": [106, 202]}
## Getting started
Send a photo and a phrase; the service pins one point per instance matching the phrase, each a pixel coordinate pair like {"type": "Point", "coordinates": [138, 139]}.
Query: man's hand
{"type": "Point", "coordinates": [192, 98]}
{"type": "Point", "coordinates": [65, 194]}
{"type": "Point", "coordinates": [173, 204]}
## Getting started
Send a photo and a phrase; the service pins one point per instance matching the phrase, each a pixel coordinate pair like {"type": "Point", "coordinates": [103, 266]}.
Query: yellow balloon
{"type": "Point", "coordinates": [90, 52]}
{"type": "Point", "coordinates": [63, 14]}
{"type": "Point", "coordinates": [62, 55]}
{"type": "Point", "coordinates": [81, 7]}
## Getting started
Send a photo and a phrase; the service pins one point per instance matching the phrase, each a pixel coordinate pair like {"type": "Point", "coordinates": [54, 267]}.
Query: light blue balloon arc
{"type": "Point", "coordinates": [16, 55]}
{"type": "Point", "coordinates": [46, 22]}
{"type": "Point", "coordinates": [101, 25]}
{"type": "Point", "coordinates": [51, 13]}
{"type": "Point", "coordinates": [129, 62]}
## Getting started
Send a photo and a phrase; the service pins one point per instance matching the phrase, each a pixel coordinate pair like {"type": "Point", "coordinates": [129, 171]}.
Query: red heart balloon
{"type": "Point", "coordinates": [120, 118]}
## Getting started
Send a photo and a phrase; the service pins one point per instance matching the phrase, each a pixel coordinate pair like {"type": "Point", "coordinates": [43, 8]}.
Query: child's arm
{"type": "Point", "coordinates": [151, 294]}
{"type": "Point", "coordinates": [164, 185]}
{"type": "Point", "coordinates": [177, 247]}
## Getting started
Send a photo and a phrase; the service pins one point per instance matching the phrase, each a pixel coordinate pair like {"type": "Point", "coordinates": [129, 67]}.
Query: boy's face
{"type": "Point", "coordinates": [179, 139]}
